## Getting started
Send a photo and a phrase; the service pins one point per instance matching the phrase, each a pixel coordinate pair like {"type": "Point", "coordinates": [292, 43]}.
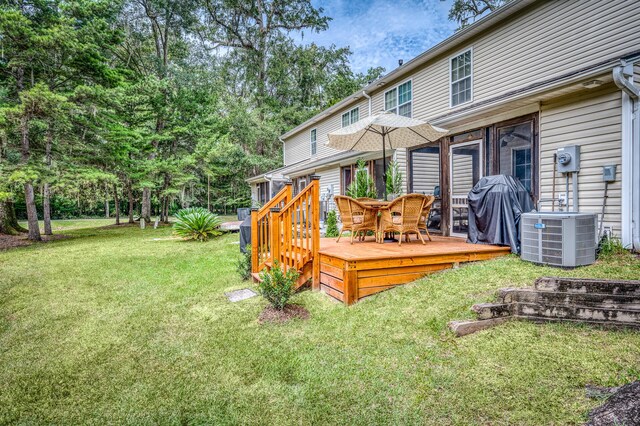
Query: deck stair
{"type": "Point", "coordinates": [612, 303]}
{"type": "Point", "coordinates": [286, 230]}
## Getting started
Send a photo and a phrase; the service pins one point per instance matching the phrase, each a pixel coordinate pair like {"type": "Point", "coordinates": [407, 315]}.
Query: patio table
{"type": "Point", "coordinates": [377, 205]}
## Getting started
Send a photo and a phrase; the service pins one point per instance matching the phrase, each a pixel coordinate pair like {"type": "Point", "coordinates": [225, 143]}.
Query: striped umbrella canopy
{"type": "Point", "coordinates": [382, 131]}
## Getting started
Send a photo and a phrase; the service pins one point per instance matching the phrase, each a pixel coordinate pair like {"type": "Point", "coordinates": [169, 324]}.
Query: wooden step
{"type": "Point", "coordinates": [605, 323]}
{"type": "Point", "coordinates": [605, 301]}
{"type": "Point", "coordinates": [582, 313]}
{"type": "Point", "coordinates": [582, 285]}
{"type": "Point", "coordinates": [491, 310]}
{"type": "Point", "coordinates": [305, 275]}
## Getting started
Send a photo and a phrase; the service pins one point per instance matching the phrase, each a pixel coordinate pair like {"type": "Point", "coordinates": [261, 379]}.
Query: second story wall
{"type": "Point", "coordinates": [298, 147]}
{"type": "Point", "coordinates": [545, 40]}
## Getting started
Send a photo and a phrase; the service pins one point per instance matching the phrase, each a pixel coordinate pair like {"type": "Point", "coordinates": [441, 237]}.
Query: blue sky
{"type": "Point", "coordinates": [380, 32]}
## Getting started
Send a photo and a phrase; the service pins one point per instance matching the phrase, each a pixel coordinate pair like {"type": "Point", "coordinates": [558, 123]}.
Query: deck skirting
{"type": "Point", "coordinates": [350, 272]}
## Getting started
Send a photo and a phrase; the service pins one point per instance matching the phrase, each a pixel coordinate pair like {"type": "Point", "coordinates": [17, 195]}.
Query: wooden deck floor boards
{"type": "Point", "coordinates": [349, 272]}
{"type": "Point", "coordinates": [370, 250]}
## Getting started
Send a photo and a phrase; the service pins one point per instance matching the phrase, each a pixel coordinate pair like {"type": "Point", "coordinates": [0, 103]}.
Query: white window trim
{"type": "Point", "coordinates": [397, 107]}
{"type": "Point", "coordinates": [349, 113]}
{"type": "Point", "coordinates": [470, 49]}
{"type": "Point", "coordinates": [311, 142]}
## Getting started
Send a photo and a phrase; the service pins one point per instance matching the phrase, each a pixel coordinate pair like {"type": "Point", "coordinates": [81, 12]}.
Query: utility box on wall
{"type": "Point", "coordinates": [568, 159]}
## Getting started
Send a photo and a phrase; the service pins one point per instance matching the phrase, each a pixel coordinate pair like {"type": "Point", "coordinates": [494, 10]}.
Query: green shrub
{"type": "Point", "coordinates": [362, 185]}
{"type": "Point", "coordinates": [277, 286]}
{"type": "Point", "coordinates": [243, 265]}
{"type": "Point", "coordinates": [394, 179]}
{"type": "Point", "coordinates": [196, 223]}
{"type": "Point", "coordinates": [332, 224]}
{"type": "Point", "coordinates": [610, 246]}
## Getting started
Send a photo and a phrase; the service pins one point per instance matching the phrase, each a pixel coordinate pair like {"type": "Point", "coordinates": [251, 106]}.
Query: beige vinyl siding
{"type": "Point", "coordinates": [593, 121]}
{"type": "Point", "coordinates": [546, 41]}
{"type": "Point", "coordinates": [298, 147]}
{"type": "Point", "coordinates": [426, 172]}
{"type": "Point", "coordinates": [463, 175]}
{"type": "Point", "coordinates": [329, 178]}
{"type": "Point", "coordinates": [400, 156]}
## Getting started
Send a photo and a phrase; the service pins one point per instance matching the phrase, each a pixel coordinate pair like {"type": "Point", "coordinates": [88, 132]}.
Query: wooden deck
{"type": "Point", "coordinates": [349, 272]}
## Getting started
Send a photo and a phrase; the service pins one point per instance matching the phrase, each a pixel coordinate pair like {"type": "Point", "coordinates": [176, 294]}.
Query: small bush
{"type": "Point", "coordinates": [332, 224]}
{"type": "Point", "coordinates": [277, 286]}
{"type": "Point", "coordinates": [243, 265]}
{"type": "Point", "coordinates": [610, 246]}
{"type": "Point", "coordinates": [196, 223]}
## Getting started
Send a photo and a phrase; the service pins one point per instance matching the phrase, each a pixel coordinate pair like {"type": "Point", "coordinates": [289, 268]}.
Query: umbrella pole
{"type": "Point", "coordinates": [384, 165]}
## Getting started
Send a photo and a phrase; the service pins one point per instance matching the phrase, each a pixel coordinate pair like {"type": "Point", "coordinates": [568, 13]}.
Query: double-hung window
{"type": "Point", "coordinates": [314, 143]}
{"type": "Point", "coordinates": [398, 100]}
{"type": "Point", "coordinates": [461, 78]}
{"type": "Point", "coordinates": [350, 117]}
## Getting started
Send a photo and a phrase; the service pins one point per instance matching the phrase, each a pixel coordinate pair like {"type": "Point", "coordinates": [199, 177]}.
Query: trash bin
{"type": "Point", "coordinates": [243, 213]}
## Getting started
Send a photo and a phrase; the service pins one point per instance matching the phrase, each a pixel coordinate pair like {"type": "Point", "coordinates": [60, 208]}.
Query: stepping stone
{"type": "Point", "coordinates": [238, 295]}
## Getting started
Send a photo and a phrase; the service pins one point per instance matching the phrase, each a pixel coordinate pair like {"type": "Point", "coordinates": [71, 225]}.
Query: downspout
{"type": "Point", "coordinates": [623, 78]}
{"type": "Point", "coordinates": [284, 152]}
{"type": "Point", "coordinates": [364, 93]}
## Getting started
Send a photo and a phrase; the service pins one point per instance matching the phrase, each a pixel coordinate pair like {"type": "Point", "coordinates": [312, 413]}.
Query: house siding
{"type": "Point", "coordinates": [593, 121]}
{"type": "Point", "coordinates": [550, 38]}
{"type": "Point", "coordinates": [425, 172]}
{"type": "Point", "coordinates": [298, 147]}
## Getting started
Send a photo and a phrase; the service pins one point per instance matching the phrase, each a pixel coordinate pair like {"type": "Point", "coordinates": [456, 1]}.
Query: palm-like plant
{"type": "Point", "coordinates": [196, 223]}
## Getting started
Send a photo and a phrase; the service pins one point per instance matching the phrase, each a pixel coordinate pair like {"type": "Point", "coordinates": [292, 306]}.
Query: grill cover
{"type": "Point", "coordinates": [245, 234]}
{"type": "Point", "coordinates": [495, 205]}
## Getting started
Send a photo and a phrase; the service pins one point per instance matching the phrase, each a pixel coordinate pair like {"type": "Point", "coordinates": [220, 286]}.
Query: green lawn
{"type": "Point", "coordinates": [124, 326]}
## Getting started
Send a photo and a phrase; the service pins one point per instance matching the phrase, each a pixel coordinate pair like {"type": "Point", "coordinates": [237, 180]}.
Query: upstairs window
{"type": "Point", "coordinates": [461, 78]}
{"type": "Point", "coordinates": [398, 100]}
{"type": "Point", "coordinates": [350, 117]}
{"type": "Point", "coordinates": [314, 144]}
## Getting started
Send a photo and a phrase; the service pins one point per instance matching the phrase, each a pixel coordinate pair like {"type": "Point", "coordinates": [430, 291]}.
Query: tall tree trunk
{"type": "Point", "coordinates": [209, 192]}
{"type": "Point", "coordinates": [46, 207]}
{"type": "Point", "coordinates": [46, 202]}
{"type": "Point", "coordinates": [145, 212]}
{"type": "Point", "coordinates": [32, 213]}
{"type": "Point", "coordinates": [106, 202]}
{"type": "Point", "coordinates": [29, 196]}
{"type": "Point", "coordinates": [117, 202]}
{"type": "Point", "coordinates": [8, 221]}
{"type": "Point", "coordinates": [130, 197]}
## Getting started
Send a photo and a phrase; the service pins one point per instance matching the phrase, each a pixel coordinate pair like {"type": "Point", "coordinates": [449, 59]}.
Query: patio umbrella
{"type": "Point", "coordinates": [384, 130]}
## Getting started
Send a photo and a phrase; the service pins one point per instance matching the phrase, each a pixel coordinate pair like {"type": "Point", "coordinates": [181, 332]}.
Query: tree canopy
{"type": "Point", "coordinates": [154, 104]}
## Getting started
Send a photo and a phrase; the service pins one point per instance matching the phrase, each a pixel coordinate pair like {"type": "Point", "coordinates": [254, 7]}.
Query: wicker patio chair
{"type": "Point", "coordinates": [402, 216]}
{"type": "Point", "coordinates": [424, 217]}
{"type": "Point", "coordinates": [365, 199]}
{"type": "Point", "coordinates": [355, 216]}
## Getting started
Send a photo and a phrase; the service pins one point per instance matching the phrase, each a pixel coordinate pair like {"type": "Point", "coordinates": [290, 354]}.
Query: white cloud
{"type": "Point", "coordinates": [379, 32]}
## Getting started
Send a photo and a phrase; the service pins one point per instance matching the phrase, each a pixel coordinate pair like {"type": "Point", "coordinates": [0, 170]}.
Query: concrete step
{"type": "Point", "coordinates": [582, 313]}
{"type": "Point", "coordinates": [491, 310]}
{"type": "Point", "coordinates": [583, 285]}
{"type": "Point", "coordinates": [605, 301]}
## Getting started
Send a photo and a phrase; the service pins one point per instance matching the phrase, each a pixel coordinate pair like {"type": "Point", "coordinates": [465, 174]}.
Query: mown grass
{"type": "Point", "coordinates": [124, 326]}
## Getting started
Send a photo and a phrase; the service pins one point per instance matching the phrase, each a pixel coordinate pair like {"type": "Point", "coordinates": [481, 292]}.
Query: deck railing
{"type": "Point", "coordinates": [293, 232]}
{"type": "Point", "coordinates": [261, 228]}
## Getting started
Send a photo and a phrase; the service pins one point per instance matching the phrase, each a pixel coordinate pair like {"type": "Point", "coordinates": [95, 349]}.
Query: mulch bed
{"type": "Point", "coordinates": [289, 312]}
{"type": "Point", "coordinates": [12, 241]}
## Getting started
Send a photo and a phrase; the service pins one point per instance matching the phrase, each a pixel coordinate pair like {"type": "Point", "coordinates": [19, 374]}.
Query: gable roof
{"type": "Point", "coordinates": [449, 43]}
